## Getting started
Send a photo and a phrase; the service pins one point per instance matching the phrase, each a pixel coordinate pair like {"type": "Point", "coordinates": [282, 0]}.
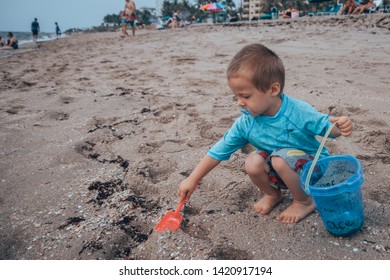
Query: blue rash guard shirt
{"type": "Point", "coordinates": [295, 125]}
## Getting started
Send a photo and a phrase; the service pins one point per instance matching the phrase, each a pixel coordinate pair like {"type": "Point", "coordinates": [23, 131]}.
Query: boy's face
{"type": "Point", "coordinates": [253, 100]}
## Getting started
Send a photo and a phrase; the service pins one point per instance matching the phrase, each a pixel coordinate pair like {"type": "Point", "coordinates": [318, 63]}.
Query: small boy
{"type": "Point", "coordinates": [281, 128]}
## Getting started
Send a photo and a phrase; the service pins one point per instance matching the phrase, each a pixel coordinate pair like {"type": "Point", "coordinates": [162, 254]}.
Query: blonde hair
{"type": "Point", "coordinates": [259, 65]}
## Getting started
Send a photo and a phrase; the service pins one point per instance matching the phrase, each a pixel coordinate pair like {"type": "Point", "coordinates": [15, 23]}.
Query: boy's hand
{"type": "Point", "coordinates": [343, 125]}
{"type": "Point", "coordinates": [188, 185]}
{"type": "Point", "coordinates": [186, 189]}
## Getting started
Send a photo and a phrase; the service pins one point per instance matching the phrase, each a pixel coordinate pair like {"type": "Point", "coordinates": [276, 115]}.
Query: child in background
{"type": "Point", "coordinates": [281, 128]}
{"type": "Point", "coordinates": [2, 42]}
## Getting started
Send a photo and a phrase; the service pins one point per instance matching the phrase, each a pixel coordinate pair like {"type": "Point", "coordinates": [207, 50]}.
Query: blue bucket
{"type": "Point", "coordinates": [335, 188]}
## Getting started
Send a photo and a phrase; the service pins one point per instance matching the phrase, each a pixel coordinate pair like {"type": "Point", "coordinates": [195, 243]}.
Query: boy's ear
{"type": "Point", "coordinates": [275, 89]}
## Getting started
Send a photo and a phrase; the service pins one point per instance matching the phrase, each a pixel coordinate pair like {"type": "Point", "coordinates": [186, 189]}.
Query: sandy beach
{"type": "Point", "coordinates": [97, 132]}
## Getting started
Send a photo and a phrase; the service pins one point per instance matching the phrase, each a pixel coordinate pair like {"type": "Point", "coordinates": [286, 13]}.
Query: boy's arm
{"type": "Point", "coordinates": [188, 185]}
{"type": "Point", "coordinates": [343, 127]}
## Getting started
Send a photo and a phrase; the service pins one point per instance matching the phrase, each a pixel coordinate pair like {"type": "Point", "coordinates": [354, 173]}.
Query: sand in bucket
{"type": "Point", "coordinates": [334, 183]}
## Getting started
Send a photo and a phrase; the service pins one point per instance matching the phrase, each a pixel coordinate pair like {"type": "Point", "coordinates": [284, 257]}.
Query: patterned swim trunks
{"type": "Point", "coordinates": [296, 159]}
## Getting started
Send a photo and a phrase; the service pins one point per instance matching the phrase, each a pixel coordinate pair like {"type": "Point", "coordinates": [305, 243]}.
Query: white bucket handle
{"type": "Point", "coordinates": [313, 163]}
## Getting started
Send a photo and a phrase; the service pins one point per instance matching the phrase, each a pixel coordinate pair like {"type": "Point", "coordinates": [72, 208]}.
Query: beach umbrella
{"type": "Point", "coordinates": [204, 7]}
{"type": "Point", "coordinates": [212, 7]}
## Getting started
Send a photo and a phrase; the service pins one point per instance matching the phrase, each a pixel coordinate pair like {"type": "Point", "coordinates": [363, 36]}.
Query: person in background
{"type": "Point", "coordinates": [168, 22]}
{"type": "Point", "coordinates": [58, 30]}
{"type": "Point", "coordinates": [288, 12]}
{"type": "Point", "coordinates": [35, 30]}
{"type": "Point", "coordinates": [124, 21]}
{"type": "Point", "coordinates": [2, 42]}
{"type": "Point", "coordinates": [129, 13]}
{"type": "Point", "coordinates": [360, 9]}
{"type": "Point", "coordinates": [12, 42]}
{"type": "Point", "coordinates": [176, 20]}
{"type": "Point", "coordinates": [349, 7]}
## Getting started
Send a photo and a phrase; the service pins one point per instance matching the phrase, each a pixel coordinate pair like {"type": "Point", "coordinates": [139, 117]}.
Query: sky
{"type": "Point", "coordinates": [17, 15]}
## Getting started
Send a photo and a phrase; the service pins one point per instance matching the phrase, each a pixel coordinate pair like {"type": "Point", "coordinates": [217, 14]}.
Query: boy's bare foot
{"type": "Point", "coordinates": [266, 204]}
{"type": "Point", "coordinates": [296, 212]}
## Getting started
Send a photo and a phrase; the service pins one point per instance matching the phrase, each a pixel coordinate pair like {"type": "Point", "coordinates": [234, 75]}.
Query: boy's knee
{"type": "Point", "coordinates": [278, 163]}
{"type": "Point", "coordinates": [254, 164]}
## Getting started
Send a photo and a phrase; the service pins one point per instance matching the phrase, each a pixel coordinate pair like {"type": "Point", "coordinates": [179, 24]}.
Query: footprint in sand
{"type": "Point", "coordinates": [225, 252]}
{"type": "Point", "coordinates": [149, 147]}
{"type": "Point", "coordinates": [58, 116]}
{"type": "Point", "coordinates": [338, 111]}
{"type": "Point", "coordinates": [206, 131]}
{"type": "Point", "coordinates": [375, 122]}
{"type": "Point", "coordinates": [377, 140]}
{"type": "Point", "coordinates": [165, 146]}
{"type": "Point", "coordinates": [15, 109]}
{"type": "Point", "coordinates": [166, 114]}
{"type": "Point", "coordinates": [156, 170]}
{"type": "Point", "coordinates": [227, 121]}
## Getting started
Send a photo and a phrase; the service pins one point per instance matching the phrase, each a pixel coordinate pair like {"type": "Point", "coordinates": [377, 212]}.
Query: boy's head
{"type": "Point", "coordinates": [259, 65]}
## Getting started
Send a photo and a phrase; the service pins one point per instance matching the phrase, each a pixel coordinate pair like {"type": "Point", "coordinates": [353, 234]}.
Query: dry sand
{"type": "Point", "coordinates": [97, 132]}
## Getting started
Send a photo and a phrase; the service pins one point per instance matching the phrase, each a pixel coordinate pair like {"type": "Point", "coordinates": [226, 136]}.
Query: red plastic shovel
{"type": "Point", "coordinates": [172, 220]}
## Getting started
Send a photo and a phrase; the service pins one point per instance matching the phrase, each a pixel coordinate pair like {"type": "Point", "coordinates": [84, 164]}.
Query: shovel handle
{"type": "Point", "coordinates": [181, 204]}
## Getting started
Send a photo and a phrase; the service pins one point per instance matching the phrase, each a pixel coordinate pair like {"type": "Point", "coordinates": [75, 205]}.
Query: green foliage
{"type": "Point", "coordinates": [113, 19]}
{"type": "Point", "coordinates": [170, 7]}
{"type": "Point", "coordinates": [229, 4]}
{"type": "Point", "coordinates": [146, 16]}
